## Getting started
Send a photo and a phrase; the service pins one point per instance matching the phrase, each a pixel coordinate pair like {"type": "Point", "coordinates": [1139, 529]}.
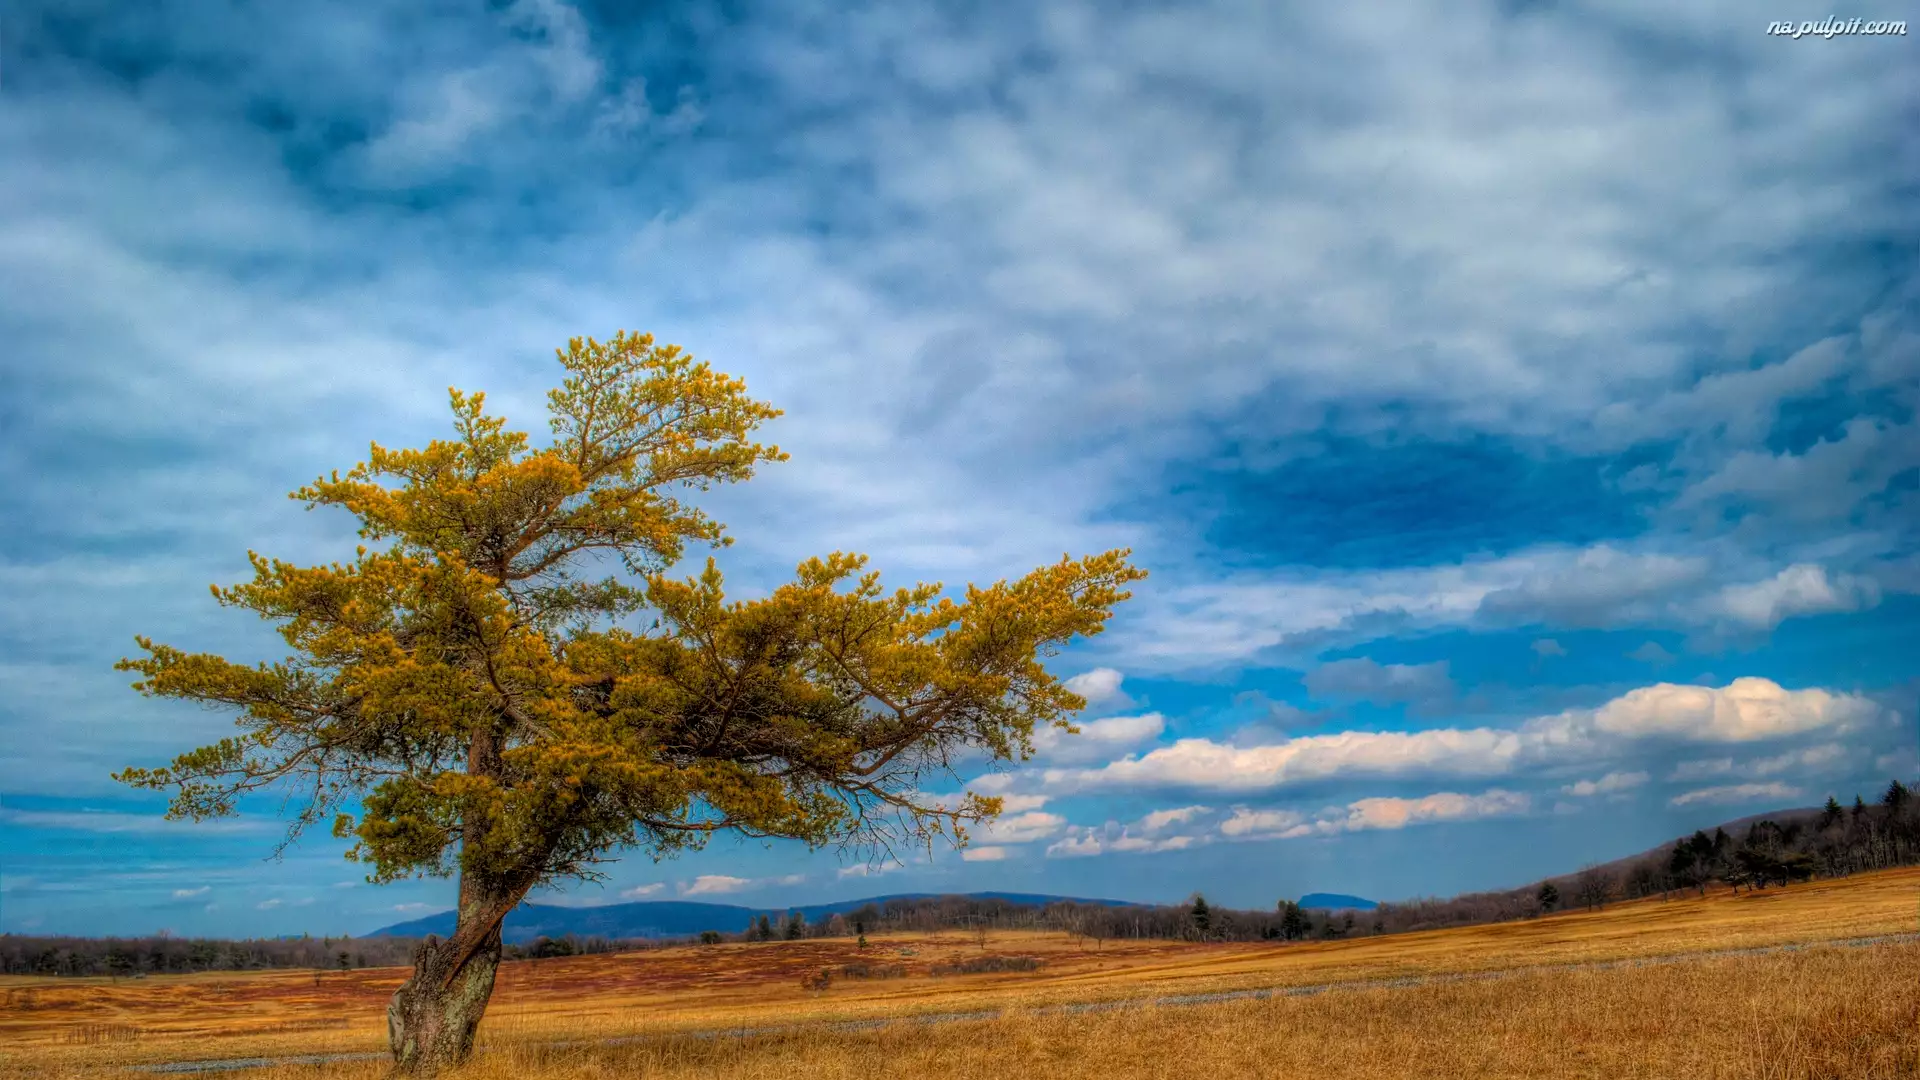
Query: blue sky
{"type": "Point", "coordinates": [1515, 406]}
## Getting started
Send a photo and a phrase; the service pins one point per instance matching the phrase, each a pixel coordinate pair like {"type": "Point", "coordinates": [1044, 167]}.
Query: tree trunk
{"type": "Point", "coordinates": [434, 1016]}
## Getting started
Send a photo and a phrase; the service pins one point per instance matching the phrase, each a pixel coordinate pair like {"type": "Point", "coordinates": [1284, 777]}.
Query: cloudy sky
{"type": "Point", "coordinates": [1515, 408]}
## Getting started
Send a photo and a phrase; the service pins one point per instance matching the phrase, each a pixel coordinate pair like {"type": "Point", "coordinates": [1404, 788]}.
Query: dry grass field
{"type": "Point", "coordinates": [1847, 1011]}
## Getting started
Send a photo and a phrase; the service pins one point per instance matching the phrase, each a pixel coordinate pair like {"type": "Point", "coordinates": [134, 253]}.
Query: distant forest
{"type": "Point", "coordinates": [1831, 842]}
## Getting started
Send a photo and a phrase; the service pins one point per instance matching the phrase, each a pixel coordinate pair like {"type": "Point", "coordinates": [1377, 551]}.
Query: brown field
{"type": "Point", "coordinates": [1820, 1012]}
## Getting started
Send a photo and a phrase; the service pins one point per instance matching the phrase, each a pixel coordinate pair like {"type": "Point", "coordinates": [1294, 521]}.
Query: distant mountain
{"type": "Point", "coordinates": [1333, 901]}
{"type": "Point", "coordinates": [674, 918]}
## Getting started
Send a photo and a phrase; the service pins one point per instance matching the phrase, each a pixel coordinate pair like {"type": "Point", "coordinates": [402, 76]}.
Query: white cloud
{"type": "Point", "coordinates": [983, 854]}
{"type": "Point", "coordinates": [1800, 589]}
{"type": "Point", "coordinates": [183, 894]}
{"type": "Point", "coordinates": [1748, 709]}
{"type": "Point", "coordinates": [1020, 828]}
{"type": "Point", "coordinates": [1114, 839]}
{"type": "Point", "coordinates": [267, 905]}
{"type": "Point", "coordinates": [721, 884]}
{"type": "Point", "coordinates": [715, 885]}
{"type": "Point", "coordinates": [1205, 764]}
{"type": "Point", "coordinates": [1374, 813]}
{"type": "Point", "coordinates": [861, 870]}
{"type": "Point", "coordinates": [1737, 793]}
{"type": "Point", "coordinates": [1076, 845]}
{"type": "Point", "coordinates": [1387, 813]}
{"type": "Point", "coordinates": [1097, 739]}
{"type": "Point", "coordinates": [1609, 784]}
{"type": "Point", "coordinates": [1100, 686]}
{"type": "Point", "coordinates": [1255, 823]}
{"type": "Point", "coordinates": [413, 906]}
{"type": "Point", "coordinates": [1160, 819]}
{"type": "Point", "coordinates": [640, 892]}
{"type": "Point", "coordinates": [1545, 647]}
{"type": "Point", "coordinates": [1743, 711]}
{"type": "Point", "coordinates": [1145, 836]}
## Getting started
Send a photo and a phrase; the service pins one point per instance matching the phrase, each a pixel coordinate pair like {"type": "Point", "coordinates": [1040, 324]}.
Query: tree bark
{"type": "Point", "coordinates": [434, 1016]}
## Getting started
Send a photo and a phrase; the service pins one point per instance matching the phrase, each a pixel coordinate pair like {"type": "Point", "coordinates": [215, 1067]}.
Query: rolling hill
{"type": "Point", "coordinates": [672, 918]}
{"type": "Point", "coordinates": [1320, 901]}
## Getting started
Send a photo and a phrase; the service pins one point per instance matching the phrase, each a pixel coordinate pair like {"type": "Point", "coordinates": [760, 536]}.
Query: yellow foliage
{"type": "Point", "coordinates": [465, 698]}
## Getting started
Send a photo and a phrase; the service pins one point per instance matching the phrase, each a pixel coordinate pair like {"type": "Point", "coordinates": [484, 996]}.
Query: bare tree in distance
{"type": "Point", "coordinates": [1593, 887]}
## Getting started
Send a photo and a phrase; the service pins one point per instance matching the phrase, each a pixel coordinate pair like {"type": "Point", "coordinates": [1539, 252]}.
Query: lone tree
{"type": "Point", "coordinates": [469, 698]}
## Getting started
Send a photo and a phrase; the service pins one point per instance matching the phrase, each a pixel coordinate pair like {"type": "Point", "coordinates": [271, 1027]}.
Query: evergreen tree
{"type": "Point", "coordinates": [1293, 921]}
{"type": "Point", "coordinates": [466, 697]}
{"type": "Point", "coordinates": [1201, 916]}
{"type": "Point", "coordinates": [1549, 896]}
{"type": "Point", "coordinates": [796, 926]}
{"type": "Point", "coordinates": [1896, 798]}
{"type": "Point", "coordinates": [1832, 814]}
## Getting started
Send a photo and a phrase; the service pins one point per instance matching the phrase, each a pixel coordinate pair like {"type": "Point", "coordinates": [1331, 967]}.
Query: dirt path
{"type": "Point", "coordinates": [1173, 1000]}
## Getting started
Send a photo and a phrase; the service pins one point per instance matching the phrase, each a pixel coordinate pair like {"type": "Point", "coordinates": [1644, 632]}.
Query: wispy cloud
{"type": "Point", "coordinates": [107, 821]}
{"type": "Point", "coordinates": [1612, 783]}
{"type": "Point", "coordinates": [1737, 793]}
{"type": "Point", "coordinates": [1377, 813]}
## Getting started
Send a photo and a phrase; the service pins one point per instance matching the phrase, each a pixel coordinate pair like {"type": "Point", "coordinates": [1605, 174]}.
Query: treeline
{"type": "Point", "coordinates": [162, 954]}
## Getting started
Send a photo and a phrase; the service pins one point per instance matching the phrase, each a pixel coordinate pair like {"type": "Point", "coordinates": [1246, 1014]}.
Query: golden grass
{"type": "Point", "coordinates": [1829, 1012]}
{"type": "Point", "coordinates": [1596, 1020]}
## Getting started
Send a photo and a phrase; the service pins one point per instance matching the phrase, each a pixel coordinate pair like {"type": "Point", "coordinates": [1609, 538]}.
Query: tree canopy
{"type": "Point", "coordinates": [478, 693]}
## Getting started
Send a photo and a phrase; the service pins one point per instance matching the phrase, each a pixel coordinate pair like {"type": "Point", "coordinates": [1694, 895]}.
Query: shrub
{"type": "Point", "coordinates": [981, 965]}
{"type": "Point", "coordinates": [873, 971]}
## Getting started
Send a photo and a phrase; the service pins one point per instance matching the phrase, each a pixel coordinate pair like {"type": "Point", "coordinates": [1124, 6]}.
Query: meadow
{"type": "Point", "coordinates": [1495, 1000]}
